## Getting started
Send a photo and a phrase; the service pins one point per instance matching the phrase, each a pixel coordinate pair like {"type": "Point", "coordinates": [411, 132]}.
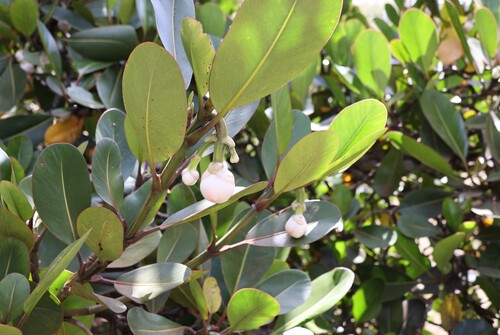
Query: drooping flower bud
{"type": "Point", "coordinates": [19, 56]}
{"type": "Point", "coordinates": [296, 226]}
{"type": "Point", "coordinates": [27, 67]}
{"type": "Point", "coordinates": [190, 176]}
{"type": "Point", "coordinates": [217, 183]}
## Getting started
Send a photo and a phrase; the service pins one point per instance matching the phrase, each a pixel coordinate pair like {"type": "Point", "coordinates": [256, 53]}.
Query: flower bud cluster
{"type": "Point", "coordinates": [23, 64]}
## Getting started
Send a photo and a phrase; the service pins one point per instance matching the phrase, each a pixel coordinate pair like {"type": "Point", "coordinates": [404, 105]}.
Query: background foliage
{"type": "Point", "coordinates": [420, 208]}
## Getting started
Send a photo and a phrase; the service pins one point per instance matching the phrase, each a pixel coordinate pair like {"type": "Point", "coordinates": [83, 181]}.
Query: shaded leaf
{"type": "Point", "coordinates": [376, 236]}
{"type": "Point", "coordinates": [177, 243]}
{"type": "Point", "coordinates": [13, 226]}
{"type": "Point", "coordinates": [366, 301]}
{"type": "Point", "coordinates": [106, 174]}
{"type": "Point", "coordinates": [137, 251]}
{"type": "Point", "coordinates": [14, 257]}
{"type": "Point", "coordinates": [12, 86]}
{"type": "Point", "coordinates": [51, 49]}
{"type": "Point", "coordinates": [416, 226]}
{"type": "Point", "coordinates": [443, 250]}
{"type": "Point", "coordinates": [145, 323]}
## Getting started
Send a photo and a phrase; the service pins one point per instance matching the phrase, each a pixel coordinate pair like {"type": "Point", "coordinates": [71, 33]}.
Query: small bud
{"type": "Point", "coordinates": [190, 176]}
{"type": "Point", "coordinates": [27, 67]}
{"type": "Point", "coordinates": [217, 183]}
{"type": "Point", "coordinates": [19, 56]}
{"type": "Point", "coordinates": [234, 156]}
{"type": "Point", "coordinates": [63, 26]}
{"type": "Point", "coordinates": [296, 226]}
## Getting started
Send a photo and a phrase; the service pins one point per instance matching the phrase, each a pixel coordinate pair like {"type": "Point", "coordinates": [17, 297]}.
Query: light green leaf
{"type": "Point", "coordinates": [326, 291]}
{"type": "Point", "coordinates": [106, 232]}
{"type": "Point", "coordinates": [213, 18]}
{"type": "Point", "coordinates": [61, 189]}
{"type": "Point", "coordinates": [283, 118]}
{"type": "Point", "coordinates": [15, 200]}
{"type": "Point", "coordinates": [426, 155]}
{"type": "Point", "coordinates": [373, 61]}
{"type": "Point", "coordinates": [290, 288]}
{"type": "Point", "coordinates": [149, 70]}
{"type": "Point", "coordinates": [24, 15]}
{"type": "Point", "coordinates": [126, 11]}
{"type": "Point", "coordinates": [306, 161]}
{"type": "Point", "coordinates": [487, 29]}
{"type": "Point", "coordinates": [420, 43]}
{"type": "Point", "coordinates": [399, 51]}
{"type": "Point", "coordinates": [107, 44]}
{"type": "Point", "coordinates": [51, 49]}
{"type": "Point", "coordinates": [211, 291]}
{"type": "Point", "coordinates": [9, 330]}
{"type": "Point", "coordinates": [199, 51]}
{"type": "Point", "coordinates": [302, 82]}
{"type": "Point", "coordinates": [13, 226]}
{"type": "Point", "coordinates": [265, 64]}
{"type": "Point", "coordinates": [145, 323]}
{"type": "Point", "coordinates": [53, 271]}
{"type": "Point", "coordinates": [366, 302]}
{"type": "Point", "coordinates": [150, 281]}
{"type": "Point", "coordinates": [443, 250]}
{"type": "Point", "coordinates": [250, 308]}
{"type": "Point", "coordinates": [445, 120]}
{"type": "Point", "coordinates": [106, 174]}
{"type": "Point", "coordinates": [408, 249]}
{"type": "Point", "coordinates": [14, 289]}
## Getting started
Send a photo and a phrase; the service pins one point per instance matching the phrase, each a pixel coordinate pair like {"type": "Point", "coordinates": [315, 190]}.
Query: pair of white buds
{"type": "Point", "coordinates": [23, 64]}
{"type": "Point", "coordinates": [217, 182]}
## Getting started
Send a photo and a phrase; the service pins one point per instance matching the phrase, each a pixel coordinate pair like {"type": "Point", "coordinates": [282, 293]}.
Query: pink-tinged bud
{"type": "Point", "coordinates": [27, 67]}
{"type": "Point", "coordinates": [296, 226]}
{"type": "Point", "coordinates": [190, 176]}
{"type": "Point", "coordinates": [19, 56]}
{"type": "Point", "coordinates": [217, 183]}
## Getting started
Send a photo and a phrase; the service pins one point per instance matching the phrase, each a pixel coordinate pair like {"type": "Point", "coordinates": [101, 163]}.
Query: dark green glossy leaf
{"type": "Point", "coordinates": [15, 200]}
{"type": "Point", "coordinates": [250, 308]}
{"type": "Point", "coordinates": [260, 64]}
{"type": "Point", "coordinates": [105, 44]}
{"type": "Point", "coordinates": [106, 232]}
{"type": "Point", "coordinates": [416, 226]}
{"type": "Point", "coordinates": [425, 202]}
{"type": "Point", "coordinates": [149, 281]}
{"type": "Point", "coordinates": [290, 288]}
{"type": "Point", "coordinates": [322, 217]}
{"type": "Point", "coordinates": [106, 174]}
{"type": "Point", "coordinates": [418, 263]}
{"type": "Point", "coordinates": [24, 15]}
{"type": "Point", "coordinates": [169, 16]}
{"type": "Point", "coordinates": [453, 214]}
{"type": "Point", "coordinates": [145, 323]}
{"type": "Point", "coordinates": [376, 236]}
{"type": "Point", "coordinates": [32, 126]}
{"type": "Point", "coordinates": [137, 251]}
{"type": "Point", "coordinates": [326, 291]}
{"type": "Point", "coordinates": [12, 86]}
{"type": "Point", "coordinates": [21, 148]}
{"type": "Point", "coordinates": [53, 271]}
{"type": "Point", "coordinates": [366, 301]}
{"type": "Point", "coordinates": [51, 49]}
{"type": "Point", "coordinates": [45, 319]}
{"type": "Point", "coordinates": [389, 173]}
{"type": "Point", "coordinates": [148, 71]}
{"type": "Point", "coordinates": [14, 289]}
{"type": "Point", "coordinates": [61, 189]}
{"type": "Point", "coordinates": [68, 16]}
{"type": "Point", "coordinates": [177, 243]}
{"type": "Point", "coordinates": [302, 164]}
{"type": "Point", "coordinates": [109, 88]}
{"type": "Point", "coordinates": [14, 257]}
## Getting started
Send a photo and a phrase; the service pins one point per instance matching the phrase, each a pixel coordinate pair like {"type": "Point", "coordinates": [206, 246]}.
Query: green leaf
{"type": "Point", "coordinates": [487, 29]}
{"type": "Point", "coordinates": [137, 251]}
{"type": "Point", "coordinates": [14, 257]}
{"type": "Point", "coordinates": [245, 266]}
{"type": "Point", "coordinates": [53, 271]}
{"type": "Point", "coordinates": [9, 330]}
{"type": "Point", "coordinates": [445, 120]}
{"type": "Point", "coordinates": [443, 250]}
{"type": "Point", "coordinates": [111, 125]}
{"type": "Point", "coordinates": [204, 207]}
{"type": "Point", "coordinates": [24, 15]}
{"type": "Point", "coordinates": [45, 319]}
{"type": "Point", "coordinates": [150, 281]}
{"type": "Point", "coordinates": [283, 118]}
{"type": "Point", "coordinates": [32, 126]}
{"type": "Point", "coordinates": [372, 59]}
{"type": "Point", "coordinates": [426, 202]}
{"type": "Point", "coordinates": [322, 217]}
{"type": "Point", "coordinates": [453, 214]}
{"type": "Point", "coordinates": [106, 174]}
{"type": "Point", "coordinates": [145, 323]}
{"type": "Point", "coordinates": [260, 63]}
{"type": "Point", "coordinates": [213, 19]}
{"type": "Point", "coordinates": [21, 148]}
{"type": "Point", "coordinates": [51, 49]}
{"type": "Point", "coordinates": [306, 161]}
{"type": "Point", "coordinates": [107, 44]}
{"type": "Point", "coordinates": [366, 302]}
{"type": "Point", "coordinates": [15, 200]}
{"type": "Point", "coordinates": [127, 10]}
{"type": "Point", "coordinates": [302, 82]}
{"type": "Point", "coordinates": [426, 155]}
{"type": "Point", "coordinates": [72, 18]}
{"type": "Point", "coordinates": [13, 226]}
{"type": "Point", "coordinates": [399, 51]}
{"type": "Point", "coordinates": [408, 250]}
{"type": "Point", "coordinates": [326, 291]}
{"type": "Point", "coordinates": [290, 288]}
{"type": "Point", "coordinates": [106, 232]}
{"type": "Point", "coordinates": [82, 96]}
{"type": "Point", "coordinates": [250, 308]}
{"type": "Point", "coordinates": [212, 294]}
{"type": "Point", "coordinates": [149, 70]}
{"type": "Point", "coordinates": [169, 20]}
{"type": "Point", "coordinates": [389, 173]}
{"type": "Point", "coordinates": [199, 52]}
{"type": "Point", "coordinates": [177, 243]}
{"type": "Point", "coordinates": [420, 43]}
{"type": "Point", "coordinates": [109, 88]}
{"type": "Point", "coordinates": [416, 226]}
{"type": "Point", "coordinates": [14, 289]}
{"type": "Point", "coordinates": [454, 17]}
{"type": "Point", "coordinates": [493, 135]}
{"type": "Point", "coordinates": [12, 87]}
{"type": "Point", "coordinates": [61, 189]}
{"type": "Point", "coordinates": [376, 236]}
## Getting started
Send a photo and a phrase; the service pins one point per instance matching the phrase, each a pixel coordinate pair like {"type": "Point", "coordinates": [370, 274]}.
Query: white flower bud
{"type": "Point", "coordinates": [19, 56]}
{"type": "Point", "coordinates": [217, 183]}
{"type": "Point", "coordinates": [190, 176]}
{"type": "Point", "coordinates": [296, 226]}
{"type": "Point", "coordinates": [27, 67]}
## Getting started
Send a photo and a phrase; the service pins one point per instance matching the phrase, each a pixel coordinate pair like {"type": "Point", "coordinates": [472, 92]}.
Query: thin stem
{"type": "Point", "coordinates": [91, 309]}
{"type": "Point", "coordinates": [79, 325]}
